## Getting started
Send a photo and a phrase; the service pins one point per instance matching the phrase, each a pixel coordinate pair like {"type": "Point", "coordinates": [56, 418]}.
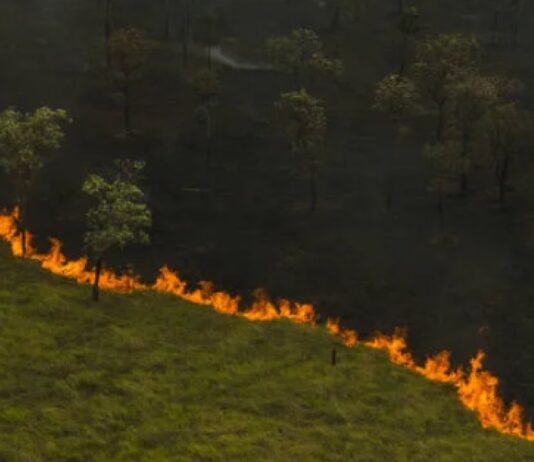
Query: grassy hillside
{"type": "Point", "coordinates": [149, 378]}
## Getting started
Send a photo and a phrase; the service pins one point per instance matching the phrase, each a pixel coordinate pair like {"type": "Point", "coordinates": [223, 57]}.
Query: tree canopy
{"type": "Point", "coordinates": [119, 215]}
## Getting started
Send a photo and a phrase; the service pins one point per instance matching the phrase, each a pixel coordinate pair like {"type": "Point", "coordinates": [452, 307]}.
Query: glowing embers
{"type": "Point", "coordinates": [477, 389]}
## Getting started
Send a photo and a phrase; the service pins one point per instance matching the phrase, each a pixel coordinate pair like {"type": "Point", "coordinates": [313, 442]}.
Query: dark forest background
{"type": "Point", "coordinates": [242, 221]}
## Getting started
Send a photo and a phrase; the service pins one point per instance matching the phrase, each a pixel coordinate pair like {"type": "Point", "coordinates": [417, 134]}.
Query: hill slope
{"type": "Point", "coordinates": [146, 377]}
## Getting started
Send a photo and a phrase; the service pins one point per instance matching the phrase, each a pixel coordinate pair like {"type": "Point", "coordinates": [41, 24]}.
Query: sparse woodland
{"type": "Point", "coordinates": [372, 157]}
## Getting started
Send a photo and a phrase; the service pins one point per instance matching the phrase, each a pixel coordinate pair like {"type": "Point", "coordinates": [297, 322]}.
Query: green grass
{"type": "Point", "coordinates": [146, 377]}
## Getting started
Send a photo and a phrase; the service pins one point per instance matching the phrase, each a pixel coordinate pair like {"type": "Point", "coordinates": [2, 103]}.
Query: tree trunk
{"type": "Point", "coordinates": [335, 22]}
{"type": "Point", "coordinates": [96, 284]}
{"type": "Point", "coordinates": [313, 188]}
{"type": "Point", "coordinates": [503, 178]}
{"type": "Point", "coordinates": [297, 75]}
{"type": "Point", "coordinates": [127, 107]}
{"type": "Point", "coordinates": [187, 30]}
{"type": "Point", "coordinates": [208, 135]}
{"type": "Point", "coordinates": [208, 152]}
{"type": "Point", "coordinates": [464, 155]}
{"type": "Point", "coordinates": [463, 185]}
{"type": "Point", "coordinates": [403, 52]}
{"type": "Point", "coordinates": [24, 242]}
{"type": "Point", "coordinates": [441, 121]}
{"type": "Point", "coordinates": [22, 200]}
{"type": "Point", "coordinates": [441, 210]}
{"type": "Point", "coordinates": [389, 193]}
{"type": "Point", "coordinates": [210, 66]}
{"type": "Point", "coordinates": [167, 29]}
{"type": "Point", "coordinates": [22, 227]}
{"type": "Point", "coordinates": [494, 27]}
{"type": "Point", "coordinates": [107, 33]}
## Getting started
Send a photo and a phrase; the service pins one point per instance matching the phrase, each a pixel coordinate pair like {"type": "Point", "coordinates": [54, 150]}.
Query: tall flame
{"type": "Point", "coordinates": [477, 389]}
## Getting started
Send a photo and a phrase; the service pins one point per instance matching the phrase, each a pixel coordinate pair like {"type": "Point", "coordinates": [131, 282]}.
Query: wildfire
{"type": "Point", "coordinates": [477, 389]}
{"type": "Point", "coordinates": [349, 337]}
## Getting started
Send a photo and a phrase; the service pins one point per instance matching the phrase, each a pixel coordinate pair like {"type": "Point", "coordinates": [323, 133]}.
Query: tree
{"type": "Point", "coordinates": [438, 62]}
{"type": "Point", "coordinates": [128, 49]}
{"type": "Point", "coordinates": [107, 32]}
{"type": "Point", "coordinates": [187, 29]}
{"type": "Point", "coordinates": [119, 215]}
{"type": "Point", "coordinates": [446, 164]}
{"type": "Point", "coordinates": [305, 126]}
{"type": "Point", "coordinates": [206, 85]}
{"type": "Point", "coordinates": [301, 53]}
{"type": "Point", "coordinates": [470, 97]}
{"type": "Point", "coordinates": [206, 33]}
{"type": "Point", "coordinates": [341, 7]}
{"type": "Point", "coordinates": [397, 97]}
{"type": "Point", "coordinates": [24, 140]}
{"type": "Point", "coordinates": [167, 26]}
{"type": "Point", "coordinates": [409, 27]}
{"type": "Point", "coordinates": [503, 128]}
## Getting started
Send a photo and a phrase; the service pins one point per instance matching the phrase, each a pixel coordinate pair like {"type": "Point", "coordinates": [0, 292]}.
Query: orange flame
{"type": "Point", "coordinates": [477, 390]}
{"type": "Point", "coordinates": [349, 337]}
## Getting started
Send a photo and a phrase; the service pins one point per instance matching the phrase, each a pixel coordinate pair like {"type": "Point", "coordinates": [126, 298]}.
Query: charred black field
{"type": "Point", "coordinates": [234, 208]}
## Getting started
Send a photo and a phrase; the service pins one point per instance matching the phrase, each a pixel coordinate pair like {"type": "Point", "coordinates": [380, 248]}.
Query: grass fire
{"type": "Point", "coordinates": [477, 389]}
{"type": "Point", "coordinates": [266, 230]}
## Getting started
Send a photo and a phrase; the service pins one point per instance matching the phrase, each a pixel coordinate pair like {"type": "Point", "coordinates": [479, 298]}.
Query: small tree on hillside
{"type": "Point", "coordinates": [305, 126]}
{"type": "Point", "coordinates": [439, 61]}
{"type": "Point", "coordinates": [301, 53]}
{"type": "Point", "coordinates": [129, 48]}
{"type": "Point", "coordinates": [24, 139]}
{"type": "Point", "coordinates": [119, 215]}
{"type": "Point", "coordinates": [397, 97]}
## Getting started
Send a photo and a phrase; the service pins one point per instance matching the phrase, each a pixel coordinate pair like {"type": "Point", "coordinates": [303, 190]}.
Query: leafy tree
{"type": "Point", "coordinates": [206, 85]}
{"type": "Point", "coordinates": [305, 126]}
{"type": "Point", "coordinates": [397, 97]}
{"type": "Point", "coordinates": [504, 126]}
{"type": "Point", "coordinates": [24, 140]}
{"type": "Point", "coordinates": [439, 61]}
{"type": "Point", "coordinates": [119, 215]}
{"type": "Point", "coordinates": [129, 48]}
{"type": "Point", "coordinates": [301, 52]}
{"type": "Point", "coordinates": [471, 96]}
